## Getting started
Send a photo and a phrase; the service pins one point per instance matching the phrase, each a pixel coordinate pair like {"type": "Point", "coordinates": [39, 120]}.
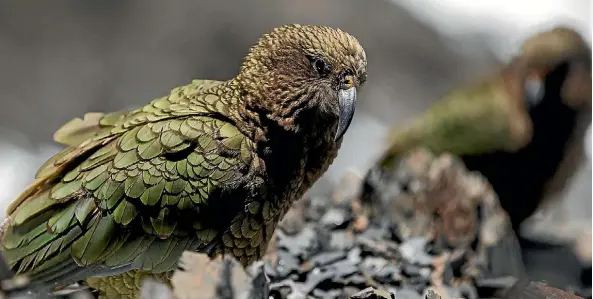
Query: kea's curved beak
{"type": "Point", "coordinates": [347, 102]}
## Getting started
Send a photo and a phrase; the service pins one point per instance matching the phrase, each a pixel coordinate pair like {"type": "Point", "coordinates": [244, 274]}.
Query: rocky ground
{"type": "Point", "coordinates": [435, 231]}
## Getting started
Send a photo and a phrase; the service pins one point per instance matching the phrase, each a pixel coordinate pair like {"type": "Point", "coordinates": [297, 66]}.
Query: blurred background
{"type": "Point", "coordinates": [60, 59]}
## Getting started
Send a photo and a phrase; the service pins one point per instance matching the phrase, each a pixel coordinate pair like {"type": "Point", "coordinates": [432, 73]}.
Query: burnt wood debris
{"type": "Point", "coordinates": [419, 246]}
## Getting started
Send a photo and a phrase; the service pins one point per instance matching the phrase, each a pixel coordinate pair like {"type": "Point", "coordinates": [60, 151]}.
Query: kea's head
{"type": "Point", "coordinates": [557, 58]}
{"type": "Point", "coordinates": [298, 74]}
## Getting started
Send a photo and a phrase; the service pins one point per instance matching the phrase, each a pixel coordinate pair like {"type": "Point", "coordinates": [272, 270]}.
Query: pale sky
{"type": "Point", "coordinates": [508, 22]}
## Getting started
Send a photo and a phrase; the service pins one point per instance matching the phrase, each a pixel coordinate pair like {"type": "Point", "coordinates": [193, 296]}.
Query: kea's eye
{"type": "Point", "coordinates": [320, 66]}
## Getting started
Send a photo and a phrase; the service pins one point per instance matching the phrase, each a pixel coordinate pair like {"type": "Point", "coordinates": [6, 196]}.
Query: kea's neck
{"type": "Point", "coordinates": [284, 141]}
{"type": "Point", "coordinates": [261, 116]}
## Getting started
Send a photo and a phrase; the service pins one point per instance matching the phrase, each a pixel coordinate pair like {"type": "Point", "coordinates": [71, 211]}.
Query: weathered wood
{"type": "Point", "coordinates": [537, 290]}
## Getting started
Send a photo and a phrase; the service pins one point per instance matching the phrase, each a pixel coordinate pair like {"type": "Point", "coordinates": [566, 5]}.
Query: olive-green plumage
{"type": "Point", "coordinates": [211, 167]}
{"type": "Point", "coordinates": [487, 116]}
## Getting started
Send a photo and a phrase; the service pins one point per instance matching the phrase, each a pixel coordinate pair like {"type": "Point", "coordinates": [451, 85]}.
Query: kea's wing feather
{"type": "Point", "coordinates": [78, 130]}
{"type": "Point", "coordinates": [132, 194]}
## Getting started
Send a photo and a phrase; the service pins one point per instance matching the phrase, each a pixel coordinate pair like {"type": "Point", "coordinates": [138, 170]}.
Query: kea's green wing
{"type": "Point", "coordinates": [133, 190]}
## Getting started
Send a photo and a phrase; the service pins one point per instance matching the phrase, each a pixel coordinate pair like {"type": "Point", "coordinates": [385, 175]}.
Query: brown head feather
{"type": "Point", "coordinates": [279, 78]}
{"type": "Point", "coordinates": [545, 49]}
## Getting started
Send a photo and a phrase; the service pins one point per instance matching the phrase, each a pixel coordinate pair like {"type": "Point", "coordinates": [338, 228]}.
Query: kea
{"type": "Point", "coordinates": [513, 127]}
{"type": "Point", "coordinates": [212, 167]}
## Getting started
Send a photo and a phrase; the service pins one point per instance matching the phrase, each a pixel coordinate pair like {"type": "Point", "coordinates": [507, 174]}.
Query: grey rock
{"type": "Point", "coordinates": [414, 251]}
{"type": "Point", "coordinates": [302, 244]}
{"type": "Point", "coordinates": [327, 258]}
{"type": "Point", "coordinates": [287, 264]}
{"type": "Point", "coordinates": [372, 293]}
{"type": "Point", "coordinates": [341, 240]}
{"type": "Point", "coordinates": [333, 218]}
{"type": "Point", "coordinates": [316, 207]}
{"type": "Point", "coordinates": [407, 293]}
